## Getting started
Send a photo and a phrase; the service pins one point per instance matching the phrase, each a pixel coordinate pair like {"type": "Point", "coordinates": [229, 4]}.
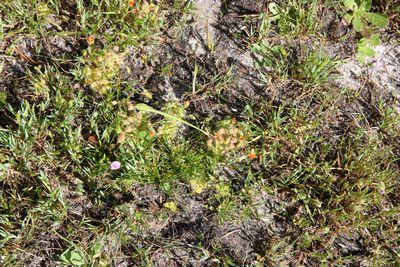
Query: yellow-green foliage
{"type": "Point", "coordinates": [169, 128]}
{"type": "Point", "coordinates": [100, 74]}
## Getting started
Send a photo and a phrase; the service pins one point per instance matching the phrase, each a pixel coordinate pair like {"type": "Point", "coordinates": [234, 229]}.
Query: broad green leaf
{"type": "Point", "coordinates": [348, 18]}
{"type": "Point", "coordinates": [73, 257]}
{"type": "Point", "coordinates": [374, 40]}
{"type": "Point", "coordinates": [365, 5]}
{"type": "Point", "coordinates": [349, 4]}
{"type": "Point", "coordinates": [358, 24]}
{"type": "Point", "coordinates": [366, 51]}
{"type": "Point", "coordinates": [360, 57]}
{"type": "Point", "coordinates": [376, 19]}
{"type": "Point", "coordinates": [362, 42]}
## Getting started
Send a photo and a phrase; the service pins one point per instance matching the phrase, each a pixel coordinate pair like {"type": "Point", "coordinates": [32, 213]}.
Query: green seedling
{"type": "Point", "coordinates": [72, 256]}
{"type": "Point", "coordinates": [364, 22]}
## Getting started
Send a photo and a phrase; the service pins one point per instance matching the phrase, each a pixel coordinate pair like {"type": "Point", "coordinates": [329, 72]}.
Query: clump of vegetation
{"type": "Point", "coordinates": [228, 138]}
{"type": "Point", "coordinates": [170, 128]}
{"type": "Point", "coordinates": [257, 161]}
{"type": "Point", "coordinates": [365, 22]}
{"type": "Point", "coordinates": [311, 68]}
{"type": "Point", "coordinates": [293, 18]}
{"type": "Point", "coordinates": [333, 186]}
{"type": "Point", "coordinates": [100, 73]}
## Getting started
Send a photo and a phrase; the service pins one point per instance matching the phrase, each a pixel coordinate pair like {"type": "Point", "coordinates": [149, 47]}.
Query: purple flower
{"type": "Point", "coordinates": [115, 165]}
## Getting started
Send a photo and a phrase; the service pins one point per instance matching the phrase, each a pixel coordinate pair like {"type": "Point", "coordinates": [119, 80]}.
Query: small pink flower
{"type": "Point", "coordinates": [115, 165]}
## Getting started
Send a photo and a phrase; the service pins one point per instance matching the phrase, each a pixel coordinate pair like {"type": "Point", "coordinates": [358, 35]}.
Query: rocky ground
{"type": "Point", "coordinates": [268, 143]}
